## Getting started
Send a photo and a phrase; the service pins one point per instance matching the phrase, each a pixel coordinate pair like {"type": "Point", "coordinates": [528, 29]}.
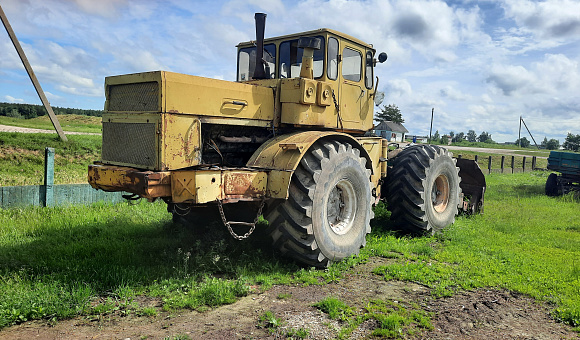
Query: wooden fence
{"type": "Point", "coordinates": [507, 168]}
{"type": "Point", "coordinates": [50, 194]}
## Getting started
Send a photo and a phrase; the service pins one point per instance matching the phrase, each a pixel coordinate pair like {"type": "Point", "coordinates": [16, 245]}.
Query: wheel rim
{"type": "Point", "coordinates": [341, 207]}
{"type": "Point", "coordinates": [440, 193]}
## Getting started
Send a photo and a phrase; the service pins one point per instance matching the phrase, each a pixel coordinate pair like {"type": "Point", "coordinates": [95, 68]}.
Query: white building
{"type": "Point", "coordinates": [393, 132]}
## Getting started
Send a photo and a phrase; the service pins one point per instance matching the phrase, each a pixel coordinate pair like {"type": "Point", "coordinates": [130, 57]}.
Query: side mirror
{"type": "Point", "coordinates": [382, 57]}
{"type": "Point", "coordinates": [379, 97]}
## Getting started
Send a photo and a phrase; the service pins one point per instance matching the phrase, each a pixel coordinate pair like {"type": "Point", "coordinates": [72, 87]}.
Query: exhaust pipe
{"type": "Point", "coordinates": [259, 72]}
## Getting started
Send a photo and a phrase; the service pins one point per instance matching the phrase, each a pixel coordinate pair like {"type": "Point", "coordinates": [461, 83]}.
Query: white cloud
{"type": "Point", "coordinates": [11, 99]}
{"type": "Point", "coordinates": [454, 94]}
{"type": "Point", "coordinates": [554, 19]}
{"type": "Point", "coordinates": [106, 8]}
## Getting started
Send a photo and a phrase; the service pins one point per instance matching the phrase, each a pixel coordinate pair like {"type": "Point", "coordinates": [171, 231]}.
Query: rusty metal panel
{"type": "Point", "coordinates": [144, 183]}
{"type": "Point", "coordinates": [181, 141]}
{"type": "Point", "coordinates": [244, 184]}
{"type": "Point", "coordinates": [203, 186]}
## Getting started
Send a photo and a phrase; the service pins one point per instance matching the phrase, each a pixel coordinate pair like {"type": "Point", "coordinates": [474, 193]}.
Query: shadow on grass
{"type": "Point", "coordinates": [122, 250]}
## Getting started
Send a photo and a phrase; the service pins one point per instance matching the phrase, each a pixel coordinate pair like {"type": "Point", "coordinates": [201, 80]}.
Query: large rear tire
{"type": "Point", "coordinates": [327, 214]}
{"type": "Point", "coordinates": [553, 186]}
{"type": "Point", "coordinates": [423, 189]}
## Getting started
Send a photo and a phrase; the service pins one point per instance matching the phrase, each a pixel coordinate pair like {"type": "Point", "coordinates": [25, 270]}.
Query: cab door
{"type": "Point", "coordinates": [353, 94]}
{"type": "Point", "coordinates": [367, 109]}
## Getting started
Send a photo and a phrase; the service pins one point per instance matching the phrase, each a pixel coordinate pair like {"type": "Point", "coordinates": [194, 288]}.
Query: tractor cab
{"type": "Point", "coordinates": [326, 77]}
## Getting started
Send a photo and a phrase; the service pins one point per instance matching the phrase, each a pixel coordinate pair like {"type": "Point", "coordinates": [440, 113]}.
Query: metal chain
{"type": "Point", "coordinates": [229, 223]}
{"type": "Point", "coordinates": [337, 109]}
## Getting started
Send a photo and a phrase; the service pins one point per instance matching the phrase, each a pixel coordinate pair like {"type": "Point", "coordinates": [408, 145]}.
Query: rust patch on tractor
{"type": "Point", "coordinates": [244, 184]}
{"type": "Point", "coordinates": [147, 184]}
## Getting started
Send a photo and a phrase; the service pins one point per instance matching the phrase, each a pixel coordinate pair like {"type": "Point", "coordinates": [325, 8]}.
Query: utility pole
{"type": "Point", "coordinates": [526, 126]}
{"type": "Point", "coordinates": [520, 133]}
{"type": "Point", "coordinates": [31, 75]}
{"type": "Point", "coordinates": [431, 128]}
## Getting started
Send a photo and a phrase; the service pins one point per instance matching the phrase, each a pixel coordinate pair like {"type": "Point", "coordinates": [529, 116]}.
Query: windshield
{"type": "Point", "coordinates": [247, 61]}
{"type": "Point", "coordinates": [291, 59]}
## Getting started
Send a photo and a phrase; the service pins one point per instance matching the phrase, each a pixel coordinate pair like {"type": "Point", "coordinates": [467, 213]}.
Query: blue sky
{"type": "Point", "coordinates": [480, 64]}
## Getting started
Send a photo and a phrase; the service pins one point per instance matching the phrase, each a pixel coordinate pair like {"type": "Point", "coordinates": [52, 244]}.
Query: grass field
{"type": "Point", "coordinates": [72, 123]}
{"type": "Point", "coordinates": [22, 157]}
{"type": "Point", "coordinates": [62, 262]}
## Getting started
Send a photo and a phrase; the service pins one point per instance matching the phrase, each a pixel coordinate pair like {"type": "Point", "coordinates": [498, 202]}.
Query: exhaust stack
{"type": "Point", "coordinates": [259, 72]}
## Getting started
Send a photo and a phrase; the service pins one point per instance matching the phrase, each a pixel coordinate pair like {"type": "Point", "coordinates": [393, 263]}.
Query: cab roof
{"type": "Point", "coordinates": [309, 33]}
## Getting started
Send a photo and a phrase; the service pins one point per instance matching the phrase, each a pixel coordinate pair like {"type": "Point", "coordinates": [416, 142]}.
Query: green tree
{"type": "Point", "coordinates": [572, 142]}
{"type": "Point", "coordinates": [391, 113]}
{"type": "Point", "coordinates": [553, 144]}
{"type": "Point", "coordinates": [485, 138]}
{"type": "Point", "coordinates": [458, 138]}
{"type": "Point", "coordinates": [435, 138]}
{"type": "Point", "coordinates": [444, 139]}
{"type": "Point", "coordinates": [523, 142]}
{"type": "Point", "coordinates": [471, 136]}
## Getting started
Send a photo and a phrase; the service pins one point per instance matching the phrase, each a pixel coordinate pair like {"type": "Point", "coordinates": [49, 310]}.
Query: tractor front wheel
{"type": "Point", "coordinates": [327, 215]}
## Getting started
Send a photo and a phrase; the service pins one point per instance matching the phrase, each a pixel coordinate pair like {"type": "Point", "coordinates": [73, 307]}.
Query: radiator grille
{"type": "Point", "coordinates": [134, 97]}
{"type": "Point", "coordinates": [130, 143]}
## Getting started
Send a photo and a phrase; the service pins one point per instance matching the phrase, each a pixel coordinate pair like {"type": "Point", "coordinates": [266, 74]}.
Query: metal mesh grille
{"type": "Point", "coordinates": [130, 143]}
{"type": "Point", "coordinates": [134, 97]}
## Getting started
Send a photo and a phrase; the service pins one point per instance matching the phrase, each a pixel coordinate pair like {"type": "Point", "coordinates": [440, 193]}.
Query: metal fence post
{"type": "Point", "coordinates": [48, 177]}
{"type": "Point", "coordinates": [513, 164]}
{"type": "Point", "coordinates": [534, 163]}
{"type": "Point", "coordinates": [524, 165]}
{"type": "Point", "coordinates": [502, 163]}
{"type": "Point", "coordinates": [489, 166]}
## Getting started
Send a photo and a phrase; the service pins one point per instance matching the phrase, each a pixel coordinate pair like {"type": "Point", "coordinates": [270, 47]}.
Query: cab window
{"type": "Point", "coordinates": [290, 59]}
{"type": "Point", "coordinates": [332, 71]}
{"type": "Point", "coordinates": [247, 61]}
{"type": "Point", "coordinates": [351, 64]}
{"type": "Point", "coordinates": [369, 71]}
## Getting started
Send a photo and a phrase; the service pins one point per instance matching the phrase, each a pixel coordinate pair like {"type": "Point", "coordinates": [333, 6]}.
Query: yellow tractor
{"type": "Point", "coordinates": [289, 140]}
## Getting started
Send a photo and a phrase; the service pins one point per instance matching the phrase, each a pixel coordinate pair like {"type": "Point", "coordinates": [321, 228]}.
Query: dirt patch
{"type": "Point", "coordinates": [482, 314]}
{"type": "Point", "coordinates": [11, 152]}
{"type": "Point", "coordinates": [8, 128]}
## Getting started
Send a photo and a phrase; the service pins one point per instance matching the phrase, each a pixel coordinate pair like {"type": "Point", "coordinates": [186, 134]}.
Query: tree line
{"type": "Point", "coordinates": [392, 113]}
{"type": "Point", "coordinates": [28, 111]}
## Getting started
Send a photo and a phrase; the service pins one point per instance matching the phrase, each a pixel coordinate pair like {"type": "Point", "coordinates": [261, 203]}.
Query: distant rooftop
{"type": "Point", "coordinates": [391, 126]}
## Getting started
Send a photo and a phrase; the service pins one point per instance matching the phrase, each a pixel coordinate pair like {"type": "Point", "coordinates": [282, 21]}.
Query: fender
{"type": "Point", "coordinates": [281, 156]}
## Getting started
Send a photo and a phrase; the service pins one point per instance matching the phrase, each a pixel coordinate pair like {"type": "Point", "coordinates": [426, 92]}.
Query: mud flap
{"type": "Point", "coordinates": [472, 186]}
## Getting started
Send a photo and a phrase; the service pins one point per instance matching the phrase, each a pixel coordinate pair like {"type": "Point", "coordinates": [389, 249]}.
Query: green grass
{"type": "Point", "coordinates": [525, 242]}
{"type": "Point", "coordinates": [71, 123]}
{"type": "Point", "coordinates": [56, 262]}
{"type": "Point", "coordinates": [335, 308]}
{"type": "Point", "coordinates": [22, 158]}
{"type": "Point", "coordinates": [395, 319]}
{"type": "Point", "coordinates": [62, 262]}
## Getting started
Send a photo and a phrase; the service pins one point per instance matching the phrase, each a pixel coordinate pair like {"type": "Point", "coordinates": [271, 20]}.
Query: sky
{"type": "Point", "coordinates": [479, 64]}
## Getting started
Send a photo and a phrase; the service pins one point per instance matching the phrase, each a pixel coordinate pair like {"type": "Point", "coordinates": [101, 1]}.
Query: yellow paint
{"type": "Point", "coordinates": [284, 153]}
{"type": "Point", "coordinates": [187, 94]}
{"type": "Point", "coordinates": [373, 146]}
{"type": "Point", "coordinates": [204, 186]}
{"type": "Point", "coordinates": [181, 141]}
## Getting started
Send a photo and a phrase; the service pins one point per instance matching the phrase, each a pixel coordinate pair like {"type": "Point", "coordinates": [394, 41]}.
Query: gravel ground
{"type": "Point", "coordinates": [7, 128]}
